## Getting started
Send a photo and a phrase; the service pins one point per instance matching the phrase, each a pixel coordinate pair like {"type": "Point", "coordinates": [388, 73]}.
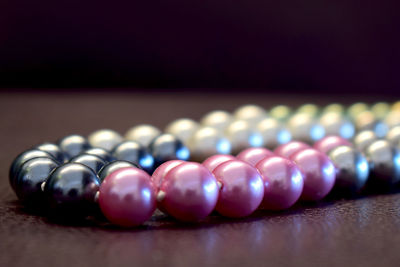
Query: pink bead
{"type": "Point", "coordinates": [254, 155]}
{"type": "Point", "coordinates": [288, 149]}
{"type": "Point", "coordinates": [189, 192]}
{"type": "Point", "coordinates": [242, 188]}
{"type": "Point", "coordinates": [159, 174]}
{"type": "Point", "coordinates": [319, 173]}
{"type": "Point", "coordinates": [127, 197]}
{"type": "Point", "coordinates": [328, 143]}
{"type": "Point", "coordinates": [283, 182]}
{"type": "Point", "coordinates": [212, 162]}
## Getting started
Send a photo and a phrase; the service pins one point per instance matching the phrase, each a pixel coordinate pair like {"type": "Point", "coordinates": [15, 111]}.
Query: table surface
{"type": "Point", "coordinates": [356, 232]}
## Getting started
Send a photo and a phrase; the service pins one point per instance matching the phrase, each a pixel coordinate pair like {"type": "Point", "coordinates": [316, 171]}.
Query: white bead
{"type": "Point", "coordinates": [218, 119]}
{"type": "Point", "coordinates": [250, 113]}
{"type": "Point", "coordinates": [273, 133]}
{"type": "Point", "coordinates": [105, 138]}
{"type": "Point", "coordinates": [392, 118]}
{"type": "Point", "coordinates": [304, 127]}
{"type": "Point", "coordinates": [336, 124]}
{"type": "Point", "coordinates": [143, 134]}
{"type": "Point", "coordinates": [243, 135]}
{"type": "Point", "coordinates": [183, 129]}
{"type": "Point", "coordinates": [363, 139]}
{"type": "Point", "coordinates": [393, 136]}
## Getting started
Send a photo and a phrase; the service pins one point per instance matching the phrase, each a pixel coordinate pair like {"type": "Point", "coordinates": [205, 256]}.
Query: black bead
{"type": "Point", "coordinates": [91, 161]}
{"type": "Point", "coordinates": [134, 152]}
{"type": "Point", "coordinates": [113, 166]}
{"type": "Point", "coordinates": [70, 191]}
{"type": "Point", "coordinates": [30, 178]}
{"type": "Point", "coordinates": [53, 150]}
{"type": "Point", "coordinates": [21, 159]}
{"type": "Point", "coordinates": [73, 145]}
{"type": "Point", "coordinates": [167, 147]}
{"type": "Point", "coordinates": [100, 152]}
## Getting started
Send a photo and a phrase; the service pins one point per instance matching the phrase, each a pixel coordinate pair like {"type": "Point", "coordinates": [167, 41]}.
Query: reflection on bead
{"type": "Point", "coordinates": [167, 147]}
{"type": "Point", "coordinates": [134, 152]}
{"type": "Point", "coordinates": [286, 150]}
{"type": "Point", "coordinates": [363, 139]}
{"type": "Point", "coordinates": [336, 124]}
{"type": "Point", "coordinates": [250, 113]}
{"type": "Point", "coordinates": [91, 161]}
{"type": "Point", "coordinates": [73, 145]}
{"type": "Point", "coordinates": [305, 128]}
{"type": "Point", "coordinates": [273, 133]}
{"type": "Point", "coordinates": [53, 150]}
{"type": "Point", "coordinates": [105, 138]}
{"type": "Point", "coordinates": [380, 109]}
{"type": "Point", "coordinates": [183, 129]}
{"type": "Point", "coordinates": [214, 161]}
{"type": "Point", "coordinates": [100, 152]}
{"type": "Point", "coordinates": [218, 119]}
{"type": "Point", "coordinates": [310, 109]}
{"type": "Point", "coordinates": [159, 174]}
{"type": "Point", "coordinates": [393, 136]}
{"type": "Point", "coordinates": [208, 141]}
{"type": "Point", "coordinates": [143, 134]}
{"type": "Point", "coordinates": [254, 155]}
{"type": "Point", "coordinates": [113, 166]}
{"type": "Point", "coordinates": [328, 143]}
{"type": "Point", "coordinates": [242, 135]}
{"type": "Point", "coordinates": [280, 113]}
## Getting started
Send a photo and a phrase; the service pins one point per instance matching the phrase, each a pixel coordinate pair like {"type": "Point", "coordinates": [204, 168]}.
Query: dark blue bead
{"type": "Point", "coordinates": [73, 145]}
{"type": "Point", "coordinates": [167, 147]}
{"type": "Point", "coordinates": [133, 152]}
{"type": "Point", "coordinates": [91, 161]}
{"type": "Point", "coordinates": [53, 150]}
{"type": "Point", "coordinates": [113, 166]}
{"type": "Point", "coordinates": [100, 152]}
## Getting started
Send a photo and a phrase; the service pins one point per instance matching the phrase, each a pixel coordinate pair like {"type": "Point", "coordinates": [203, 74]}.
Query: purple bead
{"type": "Point", "coordinates": [212, 162]}
{"type": "Point", "coordinates": [319, 173]}
{"type": "Point", "coordinates": [189, 192]}
{"type": "Point", "coordinates": [162, 170]}
{"type": "Point", "coordinates": [254, 155]}
{"type": "Point", "coordinates": [326, 144]}
{"type": "Point", "coordinates": [127, 197]}
{"type": "Point", "coordinates": [242, 188]}
{"type": "Point", "coordinates": [286, 150]}
{"type": "Point", "coordinates": [283, 182]}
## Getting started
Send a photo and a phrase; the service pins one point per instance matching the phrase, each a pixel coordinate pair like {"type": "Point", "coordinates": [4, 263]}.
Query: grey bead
{"type": "Point", "coordinates": [143, 134]}
{"type": "Point", "coordinates": [183, 129]}
{"type": "Point", "coordinates": [105, 138]}
{"type": "Point", "coordinates": [363, 139]}
{"type": "Point", "coordinates": [393, 136]}
{"type": "Point", "coordinates": [273, 133]}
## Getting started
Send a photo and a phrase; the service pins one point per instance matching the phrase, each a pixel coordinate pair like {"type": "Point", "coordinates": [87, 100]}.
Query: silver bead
{"type": "Point", "coordinates": [352, 169]}
{"type": "Point", "coordinates": [143, 134]}
{"type": "Point", "coordinates": [363, 139]}
{"type": "Point", "coordinates": [273, 133]}
{"type": "Point", "coordinates": [304, 127]}
{"type": "Point", "coordinates": [105, 138]}
{"type": "Point", "coordinates": [280, 113]}
{"type": "Point", "coordinates": [242, 135]}
{"type": "Point", "coordinates": [250, 113]}
{"type": "Point", "coordinates": [208, 141]}
{"type": "Point", "coordinates": [183, 129]}
{"type": "Point", "coordinates": [218, 119]}
{"type": "Point", "coordinates": [337, 124]}
{"type": "Point", "coordinates": [393, 136]}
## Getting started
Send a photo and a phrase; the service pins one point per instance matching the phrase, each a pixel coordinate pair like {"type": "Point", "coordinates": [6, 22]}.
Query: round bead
{"type": "Point", "coordinates": [73, 145]}
{"type": "Point", "coordinates": [384, 162]}
{"type": "Point", "coordinates": [21, 159]}
{"type": "Point", "coordinates": [241, 134]}
{"type": "Point", "coordinates": [356, 109]}
{"type": "Point", "coordinates": [167, 147]}
{"type": "Point", "coordinates": [30, 178]}
{"type": "Point", "coordinates": [352, 169]}
{"type": "Point", "coordinates": [100, 152]}
{"type": "Point", "coordinates": [366, 120]}
{"type": "Point", "coordinates": [309, 109]}
{"type": "Point", "coordinates": [242, 189]}
{"type": "Point", "coordinates": [113, 166]}
{"type": "Point", "coordinates": [280, 113]}
{"type": "Point", "coordinates": [105, 138]}
{"type": "Point", "coordinates": [159, 174]}
{"type": "Point", "coordinates": [93, 162]}
{"type": "Point", "coordinates": [328, 143]}
{"type": "Point", "coordinates": [363, 139]}
{"type": "Point", "coordinates": [143, 134]}
{"type": "Point", "coordinates": [134, 152]}
{"type": "Point", "coordinates": [183, 129]}
{"type": "Point", "coordinates": [189, 192]}
{"type": "Point", "coordinates": [336, 124]}
{"type": "Point", "coordinates": [290, 148]}
{"type": "Point", "coordinates": [393, 136]}
{"type": "Point", "coordinates": [273, 133]}
{"type": "Point", "coordinates": [318, 171]}
{"type": "Point", "coordinates": [71, 190]}
{"type": "Point", "coordinates": [380, 109]}
{"type": "Point", "coordinates": [214, 161]}
{"type": "Point", "coordinates": [127, 197]}
{"type": "Point", "coordinates": [283, 182]}
{"type": "Point", "coordinates": [218, 119]}
{"type": "Point", "coordinates": [335, 108]}
{"type": "Point", "coordinates": [250, 113]}
{"type": "Point", "coordinates": [304, 127]}
{"type": "Point", "coordinates": [254, 155]}
{"type": "Point", "coordinates": [208, 141]}
{"type": "Point", "coordinates": [53, 150]}
{"type": "Point", "coordinates": [392, 119]}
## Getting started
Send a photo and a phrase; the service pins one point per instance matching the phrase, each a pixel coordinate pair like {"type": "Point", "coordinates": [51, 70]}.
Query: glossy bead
{"type": "Point", "coordinates": [183, 129]}
{"type": "Point", "coordinates": [253, 155]}
{"type": "Point", "coordinates": [93, 162]}
{"type": "Point", "coordinates": [250, 113]}
{"type": "Point", "coordinates": [70, 190]}
{"type": "Point", "coordinates": [305, 128]}
{"type": "Point", "coordinates": [318, 171]}
{"type": "Point", "coordinates": [384, 162]}
{"type": "Point", "coordinates": [241, 134]}
{"type": "Point", "coordinates": [167, 147]}
{"type": "Point", "coordinates": [100, 152]}
{"type": "Point", "coordinates": [159, 174]}
{"type": "Point", "coordinates": [380, 109]}
{"type": "Point", "coordinates": [283, 182]}
{"type": "Point", "coordinates": [393, 136]}
{"type": "Point", "coordinates": [356, 108]}
{"type": "Point", "coordinates": [113, 166]}
{"type": "Point", "coordinates": [218, 119]}
{"type": "Point", "coordinates": [290, 148]}
{"type": "Point", "coordinates": [105, 138]}
{"type": "Point", "coordinates": [336, 124]}
{"type": "Point", "coordinates": [73, 145]}
{"type": "Point", "coordinates": [53, 150]}
{"type": "Point", "coordinates": [21, 159]}
{"type": "Point", "coordinates": [208, 141]}
{"type": "Point", "coordinates": [30, 178]}
{"type": "Point", "coordinates": [366, 120]}
{"type": "Point", "coordinates": [328, 143]}
{"type": "Point", "coordinates": [309, 109]}
{"type": "Point", "coordinates": [335, 108]}
{"type": "Point", "coordinates": [214, 161]}
{"type": "Point", "coordinates": [363, 139]}
{"type": "Point", "coordinates": [273, 133]}
{"type": "Point", "coordinates": [189, 192]}
{"type": "Point", "coordinates": [352, 169]}
{"type": "Point", "coordinates": [242, 189]}
{"type": "Point", "coordinates": [280, 113]}
{"type": "Point", "coordinates": [127, 197]}
{"type": "Point", "coordinates": [134, 152]}
{"type": "Point", "coordinates": [143, 134]}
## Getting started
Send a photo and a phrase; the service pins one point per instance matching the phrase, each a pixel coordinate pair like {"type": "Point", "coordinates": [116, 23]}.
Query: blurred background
{"type": "Point", "coordinates": [329, 46]}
